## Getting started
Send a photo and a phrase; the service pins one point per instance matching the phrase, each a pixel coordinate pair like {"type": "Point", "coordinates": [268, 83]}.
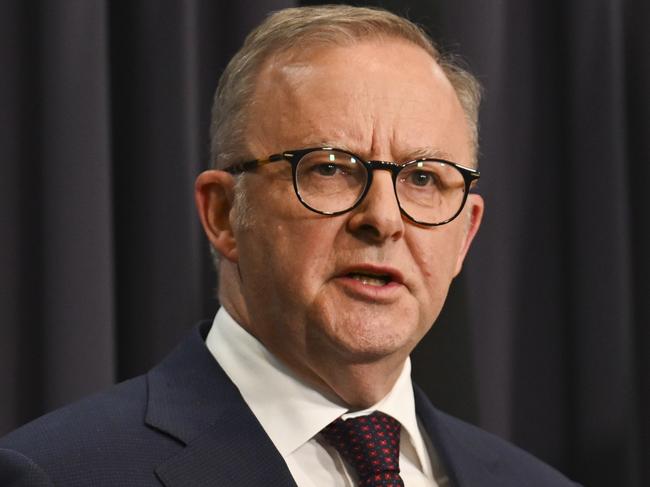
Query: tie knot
{"type": "Point", "coordinates": [370, 444]}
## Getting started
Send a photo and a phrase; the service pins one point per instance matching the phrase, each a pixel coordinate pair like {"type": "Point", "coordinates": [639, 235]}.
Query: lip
{"type": "Point", "coordinates": [368, 292]}
{"type": "Point", "coordinates": [394, 274]}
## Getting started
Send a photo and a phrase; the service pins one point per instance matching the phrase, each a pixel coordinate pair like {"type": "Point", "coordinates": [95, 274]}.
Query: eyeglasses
{"type": "Point", "coordinates": [332, 181]}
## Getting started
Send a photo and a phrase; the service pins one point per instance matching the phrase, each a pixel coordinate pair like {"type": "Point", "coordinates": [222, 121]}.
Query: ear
{"type": "Point", "coordinates": [474, 214]}
{"type": "Point", "coordinates": [214, 193]}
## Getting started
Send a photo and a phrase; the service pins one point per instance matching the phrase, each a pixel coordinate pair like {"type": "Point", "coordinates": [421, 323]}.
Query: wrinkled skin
{"type": "Point", "coordinates": [286, 270]}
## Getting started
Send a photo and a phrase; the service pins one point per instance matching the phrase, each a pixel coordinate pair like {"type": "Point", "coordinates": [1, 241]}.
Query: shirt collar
{"type": "Point", "coordinates": [291, 411]}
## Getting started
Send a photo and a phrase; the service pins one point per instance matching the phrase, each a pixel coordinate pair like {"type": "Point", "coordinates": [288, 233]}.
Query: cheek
{"type": "Point", "coordinates": [435, 254]}
{"type": "Point", "coordinates": [293, 256]}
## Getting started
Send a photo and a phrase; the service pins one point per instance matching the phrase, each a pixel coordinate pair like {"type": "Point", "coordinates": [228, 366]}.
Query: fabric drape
{"type": "Point", "coordinates": [103, 266]}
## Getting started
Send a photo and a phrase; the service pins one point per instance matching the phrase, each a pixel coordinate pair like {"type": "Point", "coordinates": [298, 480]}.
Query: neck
{"type": "Point", "coordinates": [355, 385]}
{"type": "Point", "coordinates": [361, 386]}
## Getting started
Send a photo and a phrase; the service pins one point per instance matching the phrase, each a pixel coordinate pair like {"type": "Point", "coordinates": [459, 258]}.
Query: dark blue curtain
{"type": "Point", "coordinates": [546, 335]}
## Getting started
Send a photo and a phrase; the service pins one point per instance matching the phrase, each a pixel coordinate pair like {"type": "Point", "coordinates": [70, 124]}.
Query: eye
{"type": "Point", "coordinates": [326, 169]}
{"type": "Point", "coordinates": [421, 178]}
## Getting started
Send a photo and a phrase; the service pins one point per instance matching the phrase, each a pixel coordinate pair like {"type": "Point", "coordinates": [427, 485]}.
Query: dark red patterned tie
{"type": "Point", "coordinates": [370, 444]}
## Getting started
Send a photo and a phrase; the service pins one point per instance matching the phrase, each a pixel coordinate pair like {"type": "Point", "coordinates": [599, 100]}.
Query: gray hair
{"type": "Point", "coordinates": [302, 27]}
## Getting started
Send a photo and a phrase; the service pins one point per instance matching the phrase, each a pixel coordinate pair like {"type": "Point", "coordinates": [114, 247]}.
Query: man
{"type": "Point", "coordinates": [344, 150]}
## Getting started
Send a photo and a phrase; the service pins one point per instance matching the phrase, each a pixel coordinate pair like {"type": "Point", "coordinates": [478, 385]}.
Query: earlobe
{"type": "Point", "coordinates": [474, 208]}
{"type": "Point", "coordinates": [214, 192]}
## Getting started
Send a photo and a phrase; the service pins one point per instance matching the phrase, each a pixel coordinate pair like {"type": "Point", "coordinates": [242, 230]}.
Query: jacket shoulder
{"type": "Point", "coordinates": [16, 470]}
{"type": "Point", "coordinates": [82, 420]}
{"type": "Point", "coordinates": [502, 459]}
{"type": "Point", "coordinates": [91, 442]}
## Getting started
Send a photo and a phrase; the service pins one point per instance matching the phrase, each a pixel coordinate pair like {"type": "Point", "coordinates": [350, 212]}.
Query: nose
{"type": "Point", "coordinates": [378, 217]}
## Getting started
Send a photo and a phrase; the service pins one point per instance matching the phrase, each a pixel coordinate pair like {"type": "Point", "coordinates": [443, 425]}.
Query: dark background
{"type": "Point", "coordinates": [104, 112]}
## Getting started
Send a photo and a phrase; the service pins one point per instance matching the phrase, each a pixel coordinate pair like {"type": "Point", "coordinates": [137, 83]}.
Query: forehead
{"type": "Point", "coordinates": [380, 98]}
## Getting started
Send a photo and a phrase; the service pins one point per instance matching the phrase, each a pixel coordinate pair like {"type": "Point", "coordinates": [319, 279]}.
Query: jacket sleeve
{"type": "Point", "coordinates": [17, 470]}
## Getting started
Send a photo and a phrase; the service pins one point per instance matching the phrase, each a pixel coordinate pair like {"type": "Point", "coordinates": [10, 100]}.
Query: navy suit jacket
{"type": "Point", "coordinates": [186, 424]}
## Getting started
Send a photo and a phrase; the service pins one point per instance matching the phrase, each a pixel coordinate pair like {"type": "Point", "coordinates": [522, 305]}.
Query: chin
{"type": "Point", "coordinates": [370, 340]}
{"type": "Point", "coordinates": [362, 332]}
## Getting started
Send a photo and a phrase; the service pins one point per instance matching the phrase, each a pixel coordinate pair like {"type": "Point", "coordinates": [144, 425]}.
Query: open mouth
{"type": "Point", "coordinates": [371, 279]}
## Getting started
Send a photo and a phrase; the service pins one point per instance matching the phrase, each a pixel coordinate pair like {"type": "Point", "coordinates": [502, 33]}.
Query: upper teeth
{"type": "Point", "coordinates": [370, 280]}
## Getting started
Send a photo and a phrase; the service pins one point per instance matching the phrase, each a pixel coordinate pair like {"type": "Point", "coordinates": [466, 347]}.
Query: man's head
{"type": "Point", "coordinates": [341, 299]}
{"type": "Point", "coordinates": [295, 29]}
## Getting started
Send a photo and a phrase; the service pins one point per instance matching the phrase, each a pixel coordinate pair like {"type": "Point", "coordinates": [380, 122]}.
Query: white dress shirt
{"type": "Point", "coordinates": [292, 413]}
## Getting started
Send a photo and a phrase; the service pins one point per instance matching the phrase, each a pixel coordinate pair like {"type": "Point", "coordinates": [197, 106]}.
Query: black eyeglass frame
{"type": "Point", "coordinates": [294, 156]}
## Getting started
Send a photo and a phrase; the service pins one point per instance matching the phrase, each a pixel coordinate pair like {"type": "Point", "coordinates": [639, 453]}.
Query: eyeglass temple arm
{"type": "Point", "coordinates": [470, 175]}
{"type": "Point", "coordinates": [250, 165]}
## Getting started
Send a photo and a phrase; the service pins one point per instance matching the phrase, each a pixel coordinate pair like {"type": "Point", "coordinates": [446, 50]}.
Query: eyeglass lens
{"type": "Point", "coordinates": [331, 181]}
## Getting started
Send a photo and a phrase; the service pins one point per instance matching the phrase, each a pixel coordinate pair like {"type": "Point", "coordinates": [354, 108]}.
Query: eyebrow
{"type": "Point", "coordinates": [424, 152]}
{"type": "Point", "coordinates": [334, 145]}
{"type": "Point", "coordinates": [427, 153]}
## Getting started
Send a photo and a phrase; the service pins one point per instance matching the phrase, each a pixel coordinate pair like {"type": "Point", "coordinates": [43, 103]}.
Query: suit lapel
{"type": "Point", "coordinates": [192, 400]}
{"type": "Point", "coordinates": [232, 452]}
{"type": "Point", "coordinates": [466, 463]}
